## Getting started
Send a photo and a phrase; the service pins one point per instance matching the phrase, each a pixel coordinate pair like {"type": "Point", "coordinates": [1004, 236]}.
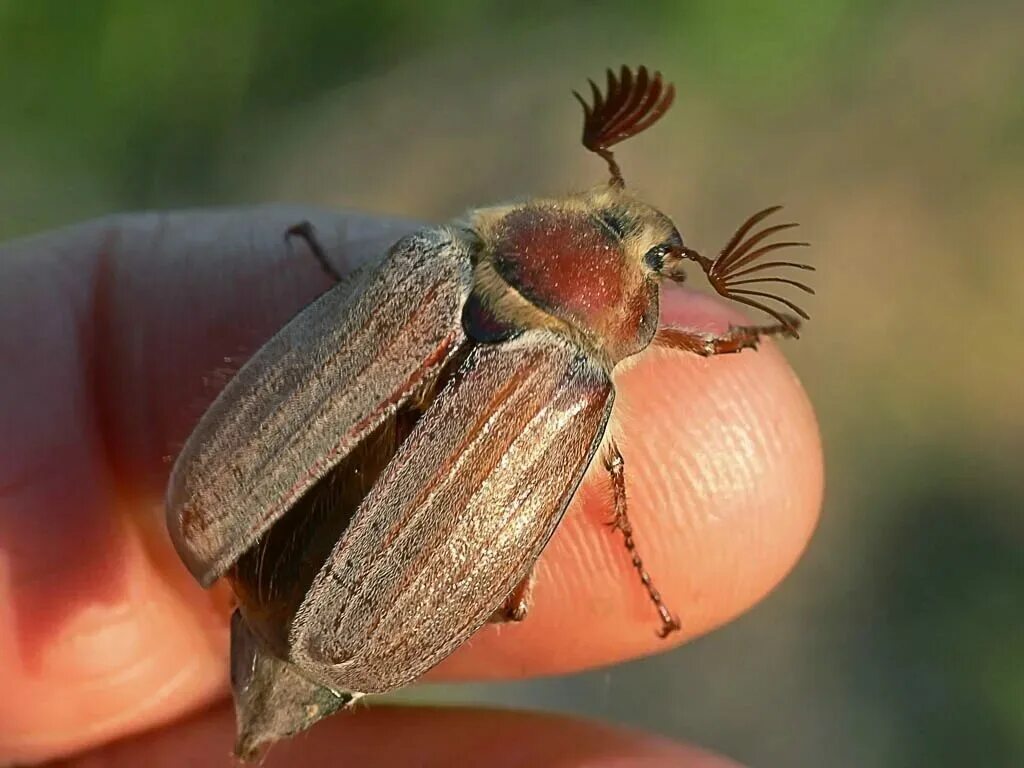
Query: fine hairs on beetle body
{"type": "Point", "coordinates": [378, 481]}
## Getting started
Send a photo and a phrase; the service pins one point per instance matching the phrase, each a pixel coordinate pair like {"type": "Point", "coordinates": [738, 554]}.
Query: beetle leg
{"type": "Point", "coordinates": [307, 233]}
{"type": "Point", "coordinates": [736, 339]}
{"type": "Point", "coordinates": [517, 604]}
{"type": "Point", "coordinates": [615, 465]}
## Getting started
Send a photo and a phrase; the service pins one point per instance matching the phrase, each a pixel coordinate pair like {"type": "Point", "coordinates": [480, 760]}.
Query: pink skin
{"type": "Point", "coordinates": [119, 332]}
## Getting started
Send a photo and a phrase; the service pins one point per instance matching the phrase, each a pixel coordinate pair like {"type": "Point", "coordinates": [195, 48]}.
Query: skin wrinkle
{"type": "Point", "coordinates": [734, 477]}
{"type": "Point", "coordinates": [111, 347]}
{"type": "Point", "coordinates": [745, 473]}
{"type": "Point", "coordinates": [155, 698]}
{"type": "Point", "coordinates": [96, 631]}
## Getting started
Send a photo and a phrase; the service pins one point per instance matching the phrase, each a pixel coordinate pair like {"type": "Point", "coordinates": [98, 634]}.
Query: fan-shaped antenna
{"type": "Point", "coordinates": [632, 103]}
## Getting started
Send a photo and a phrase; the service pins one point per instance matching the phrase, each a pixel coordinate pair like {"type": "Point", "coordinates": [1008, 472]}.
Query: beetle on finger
{"type": "Point", "coordinates": [379, 479]}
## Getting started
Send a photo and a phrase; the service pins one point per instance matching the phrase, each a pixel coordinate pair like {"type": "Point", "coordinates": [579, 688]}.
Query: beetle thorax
{"type": "Point", "coordinates": [574, 265]}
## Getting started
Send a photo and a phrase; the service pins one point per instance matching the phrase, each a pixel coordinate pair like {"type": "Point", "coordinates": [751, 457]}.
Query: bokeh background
{"type": "Point", "coordinates": [893, 130]}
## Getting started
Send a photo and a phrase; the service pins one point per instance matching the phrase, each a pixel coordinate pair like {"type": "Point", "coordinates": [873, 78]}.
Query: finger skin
{"type": "Point", "coordinates": [122, 331]}
{"type": "Point", "coordinates": [429, 738]}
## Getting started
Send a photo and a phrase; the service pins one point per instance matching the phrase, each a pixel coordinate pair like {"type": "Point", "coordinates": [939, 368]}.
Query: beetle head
{"type": "Point", "coordinates": [588, 265]}
{"type": "Point", "coordinates": [632, 103]}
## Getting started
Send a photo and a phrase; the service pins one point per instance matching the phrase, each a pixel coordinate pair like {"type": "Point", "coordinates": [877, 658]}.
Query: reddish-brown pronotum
{"type": "Point", "coordinates": [379, 479]}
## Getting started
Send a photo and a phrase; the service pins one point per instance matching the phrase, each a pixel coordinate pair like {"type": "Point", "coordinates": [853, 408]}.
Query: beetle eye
{"type": "Point", "coordinates": [655, 257]}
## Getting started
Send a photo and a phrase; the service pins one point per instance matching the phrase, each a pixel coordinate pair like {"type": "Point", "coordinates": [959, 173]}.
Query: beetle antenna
{"type": "Point", "coordinates": [734, 271]}
{"type": "Point", "coordinates": [631, 104]}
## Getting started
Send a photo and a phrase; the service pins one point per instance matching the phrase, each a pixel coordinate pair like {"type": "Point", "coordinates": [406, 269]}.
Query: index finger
{"type": "Point", "coordinates": [122, 331]}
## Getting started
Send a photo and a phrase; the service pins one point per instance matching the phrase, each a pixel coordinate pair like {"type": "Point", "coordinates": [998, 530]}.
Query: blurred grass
{"type": "Point", "coordinates": [893, 131]}
{"type": "Point", "coordinates": [131, 104]}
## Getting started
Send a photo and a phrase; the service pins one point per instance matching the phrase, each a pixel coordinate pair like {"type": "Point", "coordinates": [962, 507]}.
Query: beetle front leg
{"type": "Point", "coordinates": [736, 339]}
{"type": "Point", "coordinates": [517, 604]}
{"type": "Point", "coordinates": [305, 231]}
{"type": "Point", "coordinates": [615, 465]}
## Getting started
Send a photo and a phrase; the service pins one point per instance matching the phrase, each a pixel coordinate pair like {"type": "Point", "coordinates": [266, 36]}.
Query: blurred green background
{"type": "Point", "coordinates": [893, 130]}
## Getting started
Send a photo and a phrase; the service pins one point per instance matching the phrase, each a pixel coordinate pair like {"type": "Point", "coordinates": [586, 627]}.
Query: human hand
{"type": "Point", "coordinates": [116, 334]}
